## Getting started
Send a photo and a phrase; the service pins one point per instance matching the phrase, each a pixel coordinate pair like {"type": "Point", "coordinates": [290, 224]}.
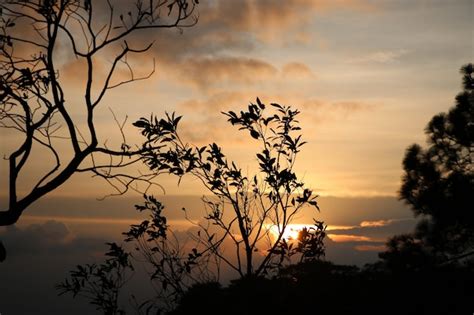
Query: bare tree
{"type": "Point", "coordinates": [34, 36]}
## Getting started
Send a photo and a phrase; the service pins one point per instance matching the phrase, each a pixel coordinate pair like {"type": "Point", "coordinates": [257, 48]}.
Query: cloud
{"type": "Point", "coordinates": [382, 57]}
{"type": "Point", "coordinates": [49, 237]}
{"type": "Point", "coordinates": [203, 115]}
{"type": "Point", "coordinates": [374, 230]}
{"type": "Point", "coordinates": [361, 243]}
{"type": "Point", "coordinates": [339, 227]}
{"type": "Point", "coordinates": [322, 110]}
{"type": "Point", "coordinates": [375, 223]}
{"type": "Point", "coordinates": [370, 248]}
{"type": "Point", "coordinates": [339, 238]}
{"type": "Point", "coordinates": [263, 17]}
{"type": "Point", "coordinates": [229, 31]}
{"type": "Point", "coordinates": [205, 72]}
{"type": "Point", "coordinates": [297, 70]}
{"type": "Point", "coordinates": [235, 100]}
{"type": "Point", "coordinates": [38, 257]}
{"type": "Point", "coordinates": [349, 252]}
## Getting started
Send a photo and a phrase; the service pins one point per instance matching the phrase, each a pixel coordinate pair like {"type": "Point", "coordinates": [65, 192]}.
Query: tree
{"type": "Point", "coordinates": [34, 39]}
{"type": "Point", "coordinates": [245, 217]}
{"type": "Point", "coordinates": [438, 184]}
{"type": "Point", "coordinates": [250, 212]}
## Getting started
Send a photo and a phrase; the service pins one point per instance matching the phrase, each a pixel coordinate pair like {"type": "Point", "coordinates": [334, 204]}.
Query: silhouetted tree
{"type": "Point", "coordinates": [36, 37]}
{"type": "Point", "coordinates": [439, 186]}
{"type": "Point", "coordinates": [244, 220]}
{"type": "Point", "coordinates": [250, 212]}
{"type": "Point", "coordinates": [33, 103]}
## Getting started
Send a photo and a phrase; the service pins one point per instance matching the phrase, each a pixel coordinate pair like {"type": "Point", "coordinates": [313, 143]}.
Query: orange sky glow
{"type": "Point", "coordinates": [364, 88]}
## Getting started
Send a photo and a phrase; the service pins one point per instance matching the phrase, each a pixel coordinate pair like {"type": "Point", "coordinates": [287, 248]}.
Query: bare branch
{"type": "Point", "coordinates": [32, 92]}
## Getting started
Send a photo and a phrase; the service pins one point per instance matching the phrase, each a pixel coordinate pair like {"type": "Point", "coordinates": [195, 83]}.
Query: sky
{"type": "Point", "coordinates": [367, 77]}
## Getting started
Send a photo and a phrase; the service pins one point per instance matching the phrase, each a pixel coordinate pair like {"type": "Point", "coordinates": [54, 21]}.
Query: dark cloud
{"type": "Point", "coordinates": [48, 238]}
{"type": "Point", "coordinates": [352, 253]}
{"type": "Point", "coordinates": [381, 231]}
{"type": "Point", "coordinates": [38, 257]}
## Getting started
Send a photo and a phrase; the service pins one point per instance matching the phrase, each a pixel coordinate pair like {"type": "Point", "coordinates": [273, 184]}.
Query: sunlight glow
{"type": "Point", "coordinates": [291, 233]}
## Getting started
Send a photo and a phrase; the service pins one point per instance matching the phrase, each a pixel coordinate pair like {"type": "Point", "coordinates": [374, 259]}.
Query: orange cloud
{"type": "Point", "coordinates": [340, 238]}
{"type": "Point", "coordinates": [200, 129]}
{"type": "Point", "coordinates": [378, 223]}
{"type": "Point", "coordinates": [205, 72]}
{"type": "Point", "coordinates": [339, 227]}
{"type": "Point", "coordinates": [297, 70]}
{"type": "Point", "coordinates": [219, 101]}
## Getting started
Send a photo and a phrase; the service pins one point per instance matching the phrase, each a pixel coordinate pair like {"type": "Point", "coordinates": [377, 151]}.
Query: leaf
{"type": "Point", "coordinates": [254, 134]}
{"type": "Point", "coordinates": [276, 105]}
{"type": "Point", "coordinates": [176, 121]}
{"type": "Point", "coordinates": [262, 106]}
{"type": "Point", "coordinates": [315, 204]}
{"type": "Point", "coordinates": [141, 123]}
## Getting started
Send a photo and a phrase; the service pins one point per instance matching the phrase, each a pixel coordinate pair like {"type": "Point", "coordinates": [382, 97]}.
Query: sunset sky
{"type": "Point", "coordinates": [367, 77]}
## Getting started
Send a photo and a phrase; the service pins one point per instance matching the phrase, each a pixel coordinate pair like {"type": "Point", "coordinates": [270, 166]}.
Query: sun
{"type": "Point", "coordinates": [291, 233]}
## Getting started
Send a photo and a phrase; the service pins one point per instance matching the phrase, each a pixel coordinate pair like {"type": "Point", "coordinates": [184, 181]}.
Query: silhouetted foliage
{"type": "Point", "coordinates": [439, 186]}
